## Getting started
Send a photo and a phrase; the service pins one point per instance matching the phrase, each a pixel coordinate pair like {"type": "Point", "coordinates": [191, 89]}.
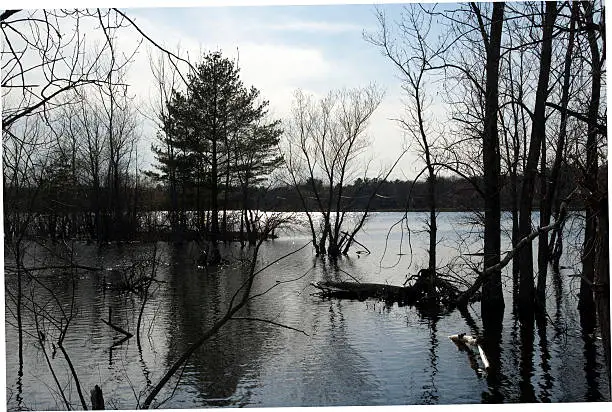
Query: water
{"type": "Point", "coordinates": [343, 353]}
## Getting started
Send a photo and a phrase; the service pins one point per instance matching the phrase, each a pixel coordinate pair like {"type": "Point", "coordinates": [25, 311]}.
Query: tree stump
{"type": "Point", "coordinates": [97, 400]}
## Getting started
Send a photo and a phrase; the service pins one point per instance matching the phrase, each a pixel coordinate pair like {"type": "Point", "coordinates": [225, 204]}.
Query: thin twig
{"type": "Point", "coordinates": [271, 322]}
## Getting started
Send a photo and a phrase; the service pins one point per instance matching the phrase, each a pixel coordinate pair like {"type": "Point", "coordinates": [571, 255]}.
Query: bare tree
{"type": "Point", "coordinates": [325, 140]}
{"type": "Point", "coordinates": [514, 128]}
{"type": "Point", "coordinates": [549, 185]}
{"type": "Point", "coordinates": [412, 52]}
{"type": "Point", "coordinates": [538, 131]}
{"type": "Point", "coordinates": [42, 62]}
{"type": "Point", "coordinates": [591, 165]}
{"type": "Point", "coordinates": [23, 167]}
{"type": "Point", "coordinates": [492, 288]}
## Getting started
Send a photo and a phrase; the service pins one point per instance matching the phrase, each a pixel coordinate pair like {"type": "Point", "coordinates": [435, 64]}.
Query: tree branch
{"type": "Point", "coordinates": [463, 299]}
{"type": "Point", "coordinates": [601, 128]}
{"type": "Point", "coordinates": [270, 322]}
{"type": "Point", "coordinates": [8, 13]}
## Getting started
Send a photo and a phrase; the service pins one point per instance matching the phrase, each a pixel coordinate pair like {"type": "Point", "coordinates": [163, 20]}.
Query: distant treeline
{"type": "Point", "coordinates": [454, 194]}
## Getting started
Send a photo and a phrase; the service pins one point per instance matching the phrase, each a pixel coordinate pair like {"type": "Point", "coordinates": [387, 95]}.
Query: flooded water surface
{"type": "Point", "coordinates": [332, 352]}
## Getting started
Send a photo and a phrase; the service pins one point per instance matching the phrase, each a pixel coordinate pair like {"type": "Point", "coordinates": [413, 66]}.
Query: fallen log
{"type": "Point", "coordinates": [419, 292]}
{"type": "Point", "coordinates": [466, 296]}
{"type": "Point", "coordinates": [362, 291]}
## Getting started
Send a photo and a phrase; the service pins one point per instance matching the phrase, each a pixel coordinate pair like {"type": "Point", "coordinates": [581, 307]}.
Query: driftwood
{"type": "Point", "coordinates": [465, 343]}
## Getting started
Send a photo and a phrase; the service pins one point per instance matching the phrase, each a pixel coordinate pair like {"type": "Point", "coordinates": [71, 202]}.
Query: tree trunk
{"type": "Point", "coordinates": [214, 190]}
{"type": "Point", "coordinates": [433, 230]}
{"type": "Point", "coordinates": [492, 288]}
{"type": "Point", "coordinates": [515, 229]}
{"type": "Point", "coordinates": [225, 199]}
{"type": "Point", "coordinates": [513, 155]}
{"type": "Point", "coordinates": [431, 190]}
{"type": "Point", "coordinates": [214, 257]}
{"type": "Point", "coordinates": [601, 284]}
{"type": "Point", "coordinates": [245, 208]}
{"type": "Point", "coordinates": [592, 165]}
{"type": "Point", "coordinates": [544, 220]}
{"type": "Point", "coordinates": [538, 130]}
{"type": "Point", "coordinates": [544, 251]}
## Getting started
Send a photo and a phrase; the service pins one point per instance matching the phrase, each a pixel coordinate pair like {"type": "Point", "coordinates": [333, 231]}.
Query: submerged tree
{"type": "Point", "coordinates": [418, 56]}
{"type": "Point", "coordinates": [492, 289]}
{"type": "Point", "coordinates": [412, 54]}
{"type": "Point", "coordinates": [594, 141]}
{"type": "Point", "coordinates": [538, 131]}
{"type": "Point", "coordinates": [325, 140]}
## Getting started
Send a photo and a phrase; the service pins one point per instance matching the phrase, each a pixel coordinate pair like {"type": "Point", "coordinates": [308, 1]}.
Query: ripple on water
{"type": "Point", "coordinates": [356, 353]}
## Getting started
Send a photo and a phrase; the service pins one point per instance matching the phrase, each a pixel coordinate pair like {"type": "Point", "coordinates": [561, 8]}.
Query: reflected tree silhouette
{"type": "Point", "coordinates": [493, 347]}
{"type": "Point", "coordinates": [527, 392]}
{"type": "Point", "coordinates": [588, 331]}
{"type": "Point", "coordinates": [546, 380]}
{"type": "Point", "coordinates": [430, 390]}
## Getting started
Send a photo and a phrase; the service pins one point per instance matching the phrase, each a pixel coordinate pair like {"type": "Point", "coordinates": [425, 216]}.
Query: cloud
{"type": "Point", "coordinates": [274, 67]}
{"type": "Point", "coordinates": [279, 50]}
{"type": "Point", "coordinates": [277, 68]}
{"type": "Point", "coordinates": [279, 54]}
{"type": "Point", "coordinates": [314, 26]}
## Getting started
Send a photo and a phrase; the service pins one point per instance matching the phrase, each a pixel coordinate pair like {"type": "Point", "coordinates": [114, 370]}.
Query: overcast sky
{"type": "Point", "coordinates": [281, 48]}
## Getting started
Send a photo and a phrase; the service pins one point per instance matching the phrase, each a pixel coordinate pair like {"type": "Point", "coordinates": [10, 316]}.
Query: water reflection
{"type": "Point", "coordinates": [19, 385]}
{"type": "Point", "coordinates": [430, 390]}
{"type": "Point", "coordinates": [546, 380]}
{"type": "Point", "coordinates": [493, 348]}
{"type": "Point", "coordinates": [527, 391]}
{"type": "Point", "coordinates": [344, 370]}
{"type": "Point", "coordinates": [199, 298]}
{"type": "Point", "coordinates": [558, 288]}
{"type": "Point", "coordinates": [591, 366]}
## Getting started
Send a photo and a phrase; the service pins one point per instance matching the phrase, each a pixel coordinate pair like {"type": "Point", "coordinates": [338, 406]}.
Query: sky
{"type": "Point", "coordinates": [284, 48]}
{"type": "Point", "coordinates": [280, 48]}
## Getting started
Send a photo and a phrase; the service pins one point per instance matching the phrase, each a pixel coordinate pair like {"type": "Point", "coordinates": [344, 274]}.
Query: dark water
{"type": "Point", "coordinates": [351, 352]}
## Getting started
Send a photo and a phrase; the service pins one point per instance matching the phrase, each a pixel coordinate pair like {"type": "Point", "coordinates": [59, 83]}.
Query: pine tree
{"type": "Point", "coordinates": [215, 136]}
